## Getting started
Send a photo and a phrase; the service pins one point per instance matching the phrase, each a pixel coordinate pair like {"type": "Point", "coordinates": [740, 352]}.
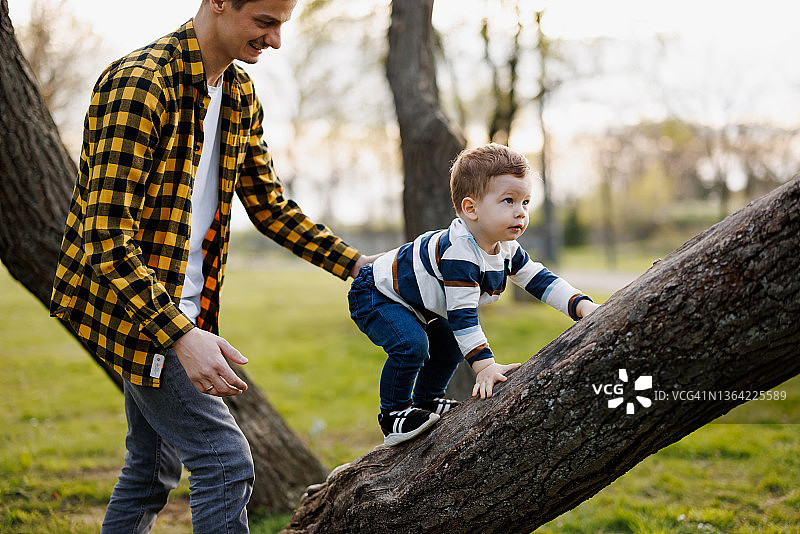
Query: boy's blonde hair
{"type": "Point", "coordinates": [474, 168]}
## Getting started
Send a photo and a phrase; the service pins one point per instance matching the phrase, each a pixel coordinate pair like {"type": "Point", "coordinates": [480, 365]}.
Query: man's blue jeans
{"type": "Point", "coordinates": [425, 353]}
{"type": "Point", "coordinates": [172, 425]}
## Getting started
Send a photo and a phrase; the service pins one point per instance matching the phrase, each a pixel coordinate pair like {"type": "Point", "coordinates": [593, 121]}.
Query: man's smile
{"type": "Point", "coordinates": [258, 48]}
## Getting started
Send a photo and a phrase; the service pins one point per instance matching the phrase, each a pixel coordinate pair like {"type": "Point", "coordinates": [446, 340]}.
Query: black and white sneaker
{"type": "Point", "coordinates": [437, 406]}
{"type": "Point", "coordinates": [401, 425]}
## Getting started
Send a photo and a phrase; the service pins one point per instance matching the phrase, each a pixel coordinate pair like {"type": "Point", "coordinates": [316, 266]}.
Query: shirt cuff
{"type": "Point", "coordinates": [167, 326]}
{"type": "Point", "coordinates": [477, 355]}
{"type": "Point", "coordinates": [572, 308]}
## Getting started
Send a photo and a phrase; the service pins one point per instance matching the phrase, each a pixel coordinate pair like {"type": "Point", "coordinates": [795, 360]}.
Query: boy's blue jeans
{"type": "Point", "coordinates": [421, 358]}
{"type": "Point", "coordinates": [172, 425]}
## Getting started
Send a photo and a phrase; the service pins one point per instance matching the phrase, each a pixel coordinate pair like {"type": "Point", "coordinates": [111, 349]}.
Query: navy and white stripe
{"type": "Point", "coordinates": [445, 273]}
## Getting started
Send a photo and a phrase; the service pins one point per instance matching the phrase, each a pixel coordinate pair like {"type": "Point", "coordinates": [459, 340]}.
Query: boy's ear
{"type": "Point", "coordinates": [468, 208]}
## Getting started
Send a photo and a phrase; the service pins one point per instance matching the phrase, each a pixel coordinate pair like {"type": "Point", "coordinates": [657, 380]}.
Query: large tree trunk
{"type": "Point", "coordinates": [718, 314]}
{"type": "Point", "coordinates": [36, 176]}
{"type": "Point", "coordinates": [36, 181]}
{"type": "Point", "coordinates": [427, 140]}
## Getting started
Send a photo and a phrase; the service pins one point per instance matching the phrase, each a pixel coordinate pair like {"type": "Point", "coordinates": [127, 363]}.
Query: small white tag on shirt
{"type": "Point", "coordinates": [158, 363]}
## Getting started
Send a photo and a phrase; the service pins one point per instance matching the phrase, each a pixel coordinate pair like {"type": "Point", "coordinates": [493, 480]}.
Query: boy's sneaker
{"type": "Point", "coordinates": [438, 405]}
{"type": "Point", "coordinates": [401, 425]}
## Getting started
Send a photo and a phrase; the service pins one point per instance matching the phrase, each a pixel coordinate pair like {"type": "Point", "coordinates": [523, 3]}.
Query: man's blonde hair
{"type": "Point", "coordinates": [474, 168]}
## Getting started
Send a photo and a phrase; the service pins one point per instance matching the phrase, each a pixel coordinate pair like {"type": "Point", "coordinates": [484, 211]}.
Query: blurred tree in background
{"type": "Point", "coordinates": [666, 181]}
{"type": "Point", "coordinates": [343, 148]}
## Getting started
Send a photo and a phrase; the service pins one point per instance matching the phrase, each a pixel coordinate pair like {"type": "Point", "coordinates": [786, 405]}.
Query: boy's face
{"type": "Point", "coordinates": [502, 213]}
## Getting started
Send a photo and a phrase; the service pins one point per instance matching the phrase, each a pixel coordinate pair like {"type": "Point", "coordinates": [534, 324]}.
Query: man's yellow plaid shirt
{"type": "Point", "coordinates": [126, 242]}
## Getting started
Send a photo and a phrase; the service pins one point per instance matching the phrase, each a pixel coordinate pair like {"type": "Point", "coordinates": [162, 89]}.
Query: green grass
{"type": "Point", "coordinates": [728, 478]}
{"type": "Point", "coordinates": [62, 424]}
{"type": "Point", "coordinates": [635, 258]}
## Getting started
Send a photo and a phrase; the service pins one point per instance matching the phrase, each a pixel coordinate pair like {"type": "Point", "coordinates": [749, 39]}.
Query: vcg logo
{"type": "Point", "coordinates": [617, 391]}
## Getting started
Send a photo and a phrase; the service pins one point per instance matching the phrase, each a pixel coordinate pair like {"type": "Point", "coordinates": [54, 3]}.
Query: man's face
{"type": "Point", "coordinates": [243, 34]}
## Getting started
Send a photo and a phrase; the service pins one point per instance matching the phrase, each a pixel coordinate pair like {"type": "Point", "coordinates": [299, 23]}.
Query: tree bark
{"type": "Point", "coordinates": [30, 150]}
{"type": "Point", "coordinates": [718, 314]}
{"type": "Point", "coordinates": [36, 181]}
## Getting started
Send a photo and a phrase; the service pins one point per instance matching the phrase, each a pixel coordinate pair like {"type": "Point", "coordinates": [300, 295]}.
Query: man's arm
{"type": "Point", "coordinates": [278, 217]}
{"type": "Point", "coordinates": [122, 131]}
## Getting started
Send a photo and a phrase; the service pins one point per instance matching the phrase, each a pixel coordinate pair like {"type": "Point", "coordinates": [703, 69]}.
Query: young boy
{"type": "Point", "coordinates": [420, 302]}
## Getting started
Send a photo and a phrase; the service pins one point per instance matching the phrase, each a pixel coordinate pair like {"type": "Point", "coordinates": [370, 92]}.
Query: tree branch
{"type": "Point", "coordinates": [718, 314]}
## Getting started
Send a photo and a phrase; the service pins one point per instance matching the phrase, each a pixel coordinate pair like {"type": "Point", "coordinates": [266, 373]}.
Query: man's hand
{"type": "Point", "coordinates": [585, 307]}
{"type": "Point", "coordinates": [362, 261]}
{"type": "Point", "coordinates": [488, 374]}
{"type": "Point", "coordinates": [202, 355]}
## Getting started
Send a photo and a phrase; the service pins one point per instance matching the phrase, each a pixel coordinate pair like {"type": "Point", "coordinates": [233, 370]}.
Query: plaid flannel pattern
{"type": "Point", "coordinates": [126, 242]}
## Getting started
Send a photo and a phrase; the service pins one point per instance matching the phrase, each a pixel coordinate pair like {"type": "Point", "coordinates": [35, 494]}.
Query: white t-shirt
{"type": "Point", "coordinates": [204, 205]}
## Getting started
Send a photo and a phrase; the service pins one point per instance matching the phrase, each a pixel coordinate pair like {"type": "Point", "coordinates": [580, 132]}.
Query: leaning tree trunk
{"type": "Point", "coordinates": [36, 181]}
{"type": "Point", "coordinates": [718, 314]}
{"type": "Point", "coordinates": [37, 177]}
{"type": "Point", "coordinates": [428, 142]}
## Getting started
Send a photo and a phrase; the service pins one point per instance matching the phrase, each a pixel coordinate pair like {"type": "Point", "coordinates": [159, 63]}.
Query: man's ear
{"type": "Point", "coordinates": [216, 5]}
{"type": "Point", "coordinates": [469, 208]}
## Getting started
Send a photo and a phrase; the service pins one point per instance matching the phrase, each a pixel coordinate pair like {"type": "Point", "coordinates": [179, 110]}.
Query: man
{"type": "Point", "coordinates": [172, 130]}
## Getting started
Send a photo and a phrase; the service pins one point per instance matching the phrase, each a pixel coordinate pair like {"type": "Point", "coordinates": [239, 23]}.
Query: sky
{"type": "Point", "coordinates": [727, 22]}
{"type": "Point", "coordinates": [723, 59]}
{"type": "Point", "coordinates": [720, 60]}
{"type": "Point", "coordinates": [718, 42]}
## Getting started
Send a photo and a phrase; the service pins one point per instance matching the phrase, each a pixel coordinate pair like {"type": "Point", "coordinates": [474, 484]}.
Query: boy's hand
{"type": "Point", "coordinates": [585, 307]}
{"type": "Point", "coordinates": [489, 373]}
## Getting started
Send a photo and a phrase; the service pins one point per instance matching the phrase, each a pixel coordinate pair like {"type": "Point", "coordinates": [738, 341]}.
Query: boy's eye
{"type": "Point", "coordinates": [508, 200]}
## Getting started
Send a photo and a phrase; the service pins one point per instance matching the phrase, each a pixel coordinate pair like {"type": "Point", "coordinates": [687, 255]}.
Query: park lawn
{"type": "Point", "coordinates": [62, 424]}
